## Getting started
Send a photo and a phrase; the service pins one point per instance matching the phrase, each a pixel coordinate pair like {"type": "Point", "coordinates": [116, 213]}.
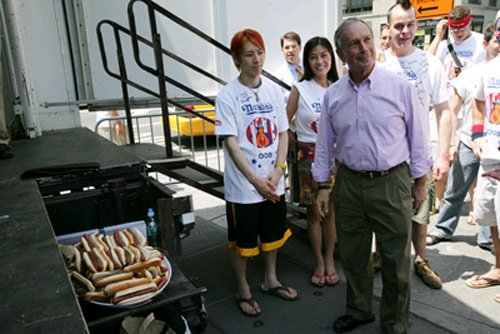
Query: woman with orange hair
{"type": "Point", "coordinates": [251, 120]}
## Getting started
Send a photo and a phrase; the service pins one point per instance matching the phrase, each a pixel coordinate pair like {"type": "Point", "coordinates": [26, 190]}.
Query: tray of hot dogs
{"type": "Point", "coordinates": [117, 270]}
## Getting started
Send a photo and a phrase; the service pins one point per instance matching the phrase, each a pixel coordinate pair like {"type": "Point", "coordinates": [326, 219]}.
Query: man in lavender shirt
{"type": "Point", "coordinates": [372, 128]}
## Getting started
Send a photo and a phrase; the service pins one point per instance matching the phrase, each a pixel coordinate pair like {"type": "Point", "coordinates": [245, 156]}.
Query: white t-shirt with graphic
{"type": "Point", "coordinates": [470, 52]}
{"type": "Point", "coordinates": [308, 110]}
{"type": "Point", "coordinates": [488, 90]}
{"type": "Point", "coordinates": [426, 73]}
{"type": "Point", "coordinates": [466, 85]}
{"type": "Point", "coordinates": [257, 125]}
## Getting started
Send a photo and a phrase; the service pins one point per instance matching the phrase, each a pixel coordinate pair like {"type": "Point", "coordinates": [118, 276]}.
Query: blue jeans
{"type": "Point", "coordinates": [462, 174]}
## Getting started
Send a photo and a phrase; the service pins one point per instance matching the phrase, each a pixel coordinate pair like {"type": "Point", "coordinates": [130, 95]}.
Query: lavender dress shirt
{"type": "Point", "coordinates": [371, 127]}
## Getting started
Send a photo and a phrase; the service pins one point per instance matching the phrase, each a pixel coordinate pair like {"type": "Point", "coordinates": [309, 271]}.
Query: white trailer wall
{"type": "Point", "coordinates": [42, 65]}
{"type": "Point", "coordinates": [41, 36]}
{"type": "Point", "coordinates": [219, 19]}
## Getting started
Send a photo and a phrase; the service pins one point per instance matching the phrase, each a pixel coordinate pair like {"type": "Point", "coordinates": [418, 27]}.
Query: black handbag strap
{"type": "Point", "coordinates": [458, 62]}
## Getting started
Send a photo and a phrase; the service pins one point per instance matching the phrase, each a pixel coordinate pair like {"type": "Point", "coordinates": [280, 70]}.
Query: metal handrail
{"type": "Point", "coordinates": [119, 28]}
{"type": "Point", "coordinates": [154, 7]}
{"type": "Point", "coordinates": [159, 71]}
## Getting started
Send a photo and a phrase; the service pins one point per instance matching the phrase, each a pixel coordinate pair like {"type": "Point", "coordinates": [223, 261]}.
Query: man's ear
{"type": "Point", "coordinates": [340, 54]}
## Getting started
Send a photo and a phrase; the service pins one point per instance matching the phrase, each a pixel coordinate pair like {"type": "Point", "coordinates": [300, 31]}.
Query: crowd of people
{"type": "Point", "coordinates": [370, 146]}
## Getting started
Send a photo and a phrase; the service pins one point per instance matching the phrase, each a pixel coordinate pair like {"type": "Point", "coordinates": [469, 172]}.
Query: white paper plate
{"type": "Point", "coordinates": [143, 301]}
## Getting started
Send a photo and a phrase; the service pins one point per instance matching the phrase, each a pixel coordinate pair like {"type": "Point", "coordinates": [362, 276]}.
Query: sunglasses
{"type": "Point", "coordinates": [460, 30]}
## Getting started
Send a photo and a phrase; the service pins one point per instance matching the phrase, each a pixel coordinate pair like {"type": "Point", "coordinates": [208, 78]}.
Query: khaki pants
{"type": "Point", "coordinates": [422, 215]}
{"type": "Point", "coordinates": [381, 205]}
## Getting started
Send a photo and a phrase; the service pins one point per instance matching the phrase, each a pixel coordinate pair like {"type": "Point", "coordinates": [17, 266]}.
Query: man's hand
{"type": "Point", "coordinates": [322, 201]}
{"type": "Point", "coordinates": [477, 147]}
{"type": "Point", "coordinates": [266, 188]}
{"type": "Point", "coordinates": [495, 173]}
{"type": "Point", "coordinates": [275, 176]}
{"type": "Point", "coordinates": [441, 168]}
{"type": "Point", "coordinates": [441, 28]}
{"type": "Point", "coordinates": [418, 192]}
{"type": "Point", "coordinates": [453, 153]}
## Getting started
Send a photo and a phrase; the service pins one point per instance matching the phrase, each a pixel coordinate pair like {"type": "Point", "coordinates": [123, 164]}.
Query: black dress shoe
{"type": "Point", "coordinates": [5, 152]}
{"type": "Point", "coordinates": [347, 323]}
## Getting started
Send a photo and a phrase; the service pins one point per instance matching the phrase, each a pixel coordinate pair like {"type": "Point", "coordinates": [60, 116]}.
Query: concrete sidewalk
{"type": "Point", "coordinates": [453, 309]}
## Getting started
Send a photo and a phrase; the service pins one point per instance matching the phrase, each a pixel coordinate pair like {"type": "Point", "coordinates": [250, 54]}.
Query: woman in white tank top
{"type": "Point", "coordinates": [304, 106]}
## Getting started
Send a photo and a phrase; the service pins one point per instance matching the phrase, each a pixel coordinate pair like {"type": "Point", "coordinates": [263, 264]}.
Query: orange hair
{"type": "Point", "coordinates": [241, 38]}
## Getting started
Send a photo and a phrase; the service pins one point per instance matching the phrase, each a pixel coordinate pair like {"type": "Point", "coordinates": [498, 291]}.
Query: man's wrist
{"type": "Point", "coordinates": [324, 186]}
{"type": "Point", "coordinates": [477, 131]}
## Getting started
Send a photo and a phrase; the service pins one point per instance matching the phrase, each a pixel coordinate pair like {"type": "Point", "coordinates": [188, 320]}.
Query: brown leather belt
{"type": "Point", "coordinates": [374, 174]}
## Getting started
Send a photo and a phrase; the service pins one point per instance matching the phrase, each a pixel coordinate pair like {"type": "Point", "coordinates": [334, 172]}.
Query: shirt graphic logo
{"type": "Point", "coordinates": [245, 97]}
{"type": "Point", "coordinates": [495, 109]}
{"type": "Point", "coordinates": [314, 126]}
{"type": "Point", "coordinates": [262, 132]}
{"type": "Point", "coordinates": [410, 75]}
{"type": "Point", "coordinates": [316, 106]}
{"type": "Point", "coordinates": [465, 53]}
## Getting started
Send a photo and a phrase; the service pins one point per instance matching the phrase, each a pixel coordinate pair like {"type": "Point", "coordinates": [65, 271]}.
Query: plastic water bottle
{"type": "Point", "coordinates": [153, 230]}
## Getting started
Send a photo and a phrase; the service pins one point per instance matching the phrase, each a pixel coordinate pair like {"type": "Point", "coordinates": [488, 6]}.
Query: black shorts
{"type": "Point", "coordinates": [249, 223]}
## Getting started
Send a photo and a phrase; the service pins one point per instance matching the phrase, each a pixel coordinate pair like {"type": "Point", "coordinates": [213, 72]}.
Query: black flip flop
{"type": "Point", "coordinates": [249, 301]}
{"type": "Point", "coordinates": [276, 292]}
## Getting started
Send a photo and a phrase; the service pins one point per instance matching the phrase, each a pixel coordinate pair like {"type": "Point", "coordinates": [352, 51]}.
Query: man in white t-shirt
{"type": "Point", "coordinates": [486, 146]}
{"type": "Point", "coordinates": [468, 45]}
{"type": "Point", "coordinates": [464, 169]}
{"type": "Point", "coordinates": [291, 71]}
{"type": "Point", "coordinates": [251, 120]}
{"type": "Point", "coordinates": [468, 48]}
{"type": "Point", "coordinates": [426, 73]}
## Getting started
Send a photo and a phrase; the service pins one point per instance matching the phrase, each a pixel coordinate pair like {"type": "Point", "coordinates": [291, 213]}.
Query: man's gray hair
{"type": "Point", "coordinates": [341, 28]}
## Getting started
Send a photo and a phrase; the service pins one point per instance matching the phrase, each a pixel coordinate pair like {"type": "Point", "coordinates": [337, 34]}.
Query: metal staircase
{"type": "Point", "coordinates": [182, 169]}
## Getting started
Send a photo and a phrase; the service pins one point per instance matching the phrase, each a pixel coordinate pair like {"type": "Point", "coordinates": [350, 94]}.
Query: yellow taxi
{"type": "Point", "coordinates": [189, 125]}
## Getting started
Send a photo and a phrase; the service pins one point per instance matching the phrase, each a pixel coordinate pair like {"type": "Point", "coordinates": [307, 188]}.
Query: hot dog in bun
{"type": "Point", "coordinates": [113, 288]}
{"type": "Point", "coordinates": [111, 277]}
{"type": "Point", "coordinates": [143, 265]}
{"type": "Point", "coordinates": [139, 292]}
{"type": "Point", "coordinates": [82, 285]}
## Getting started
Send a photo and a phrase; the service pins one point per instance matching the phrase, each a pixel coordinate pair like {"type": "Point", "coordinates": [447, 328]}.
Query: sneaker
{"type": "Point", "coordinates": [428, 276]}
{"type": "Point", "coordinates": [433, 239]}
{"type": "Point", "coordinates": [487, 247]}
